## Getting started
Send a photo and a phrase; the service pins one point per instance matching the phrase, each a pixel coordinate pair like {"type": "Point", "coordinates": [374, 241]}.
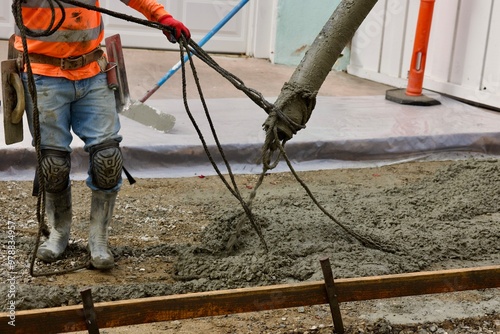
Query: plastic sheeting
{"type": "Point", "coordinates": [343, 132]}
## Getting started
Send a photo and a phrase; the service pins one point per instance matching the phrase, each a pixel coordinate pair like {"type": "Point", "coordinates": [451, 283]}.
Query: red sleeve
{"type": "Point", "coordinates": [151, 9]}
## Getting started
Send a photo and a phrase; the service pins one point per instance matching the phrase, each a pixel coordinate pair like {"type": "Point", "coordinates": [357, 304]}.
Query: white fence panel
{"type": "Point", "coordinates": [6, 20]}
{"type": "Point", "coordinates": [463, 52]}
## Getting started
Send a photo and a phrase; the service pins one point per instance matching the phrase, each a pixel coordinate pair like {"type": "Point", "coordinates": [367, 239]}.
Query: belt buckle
{"type": "Point", "coordinates": [72, 63]}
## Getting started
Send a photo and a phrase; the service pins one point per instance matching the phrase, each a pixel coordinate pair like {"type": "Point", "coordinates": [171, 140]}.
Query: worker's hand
{"type": "Point", "coordinates": [178, 27]}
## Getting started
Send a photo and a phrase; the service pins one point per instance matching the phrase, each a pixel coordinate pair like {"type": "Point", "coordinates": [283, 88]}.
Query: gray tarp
{"type": "Point", "coordinates": [342, 132]}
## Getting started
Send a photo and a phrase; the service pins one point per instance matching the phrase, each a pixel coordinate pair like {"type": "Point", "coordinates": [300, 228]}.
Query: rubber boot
{"type": "Point", "coordinates": [59, 214]}
{"type": "Point", "coordinates": [101, 212]}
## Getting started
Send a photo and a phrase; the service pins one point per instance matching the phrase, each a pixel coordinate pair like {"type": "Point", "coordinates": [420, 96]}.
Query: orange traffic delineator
{"type": "Point", "coordinates": [413, 93]}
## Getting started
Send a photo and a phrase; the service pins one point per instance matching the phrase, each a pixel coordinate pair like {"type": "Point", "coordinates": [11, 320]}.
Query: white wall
{"type": "Point", "coordinates": [6, 20]}
{"type": "Point", "coordinates": [298, 23]}
{"type": "Point", "coordinates": [201, 16]}
{"type": "Point", "coordinates": [463, 51]}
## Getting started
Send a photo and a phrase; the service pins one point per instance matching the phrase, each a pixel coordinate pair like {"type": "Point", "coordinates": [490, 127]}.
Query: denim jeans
{"type": "Point", "coordinates": [87, 107]}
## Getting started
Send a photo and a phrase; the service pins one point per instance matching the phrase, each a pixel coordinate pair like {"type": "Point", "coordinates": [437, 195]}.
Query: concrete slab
{"type": "Point", "coordinates": [352, 125]}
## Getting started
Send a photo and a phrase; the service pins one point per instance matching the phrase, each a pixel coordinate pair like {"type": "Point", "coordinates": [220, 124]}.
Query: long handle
{"type": "Point", "coordinates": [202, 42]}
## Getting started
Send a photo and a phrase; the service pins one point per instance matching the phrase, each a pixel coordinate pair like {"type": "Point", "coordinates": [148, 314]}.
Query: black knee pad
{"type": "Point", "coordinates": [106, 163]}
{"type": "Point", "coordinates": [56, 166]}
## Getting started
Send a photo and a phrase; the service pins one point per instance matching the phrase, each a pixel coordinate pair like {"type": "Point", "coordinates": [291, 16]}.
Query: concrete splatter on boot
{"type": "Point", "coordinates": [101, 212]}
{"type": "Point", "coordinates": [59, 215]}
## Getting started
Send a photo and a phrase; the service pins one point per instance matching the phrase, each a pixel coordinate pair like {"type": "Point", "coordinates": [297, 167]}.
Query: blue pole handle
{"type": "Point", "coordinates": [205, 39]}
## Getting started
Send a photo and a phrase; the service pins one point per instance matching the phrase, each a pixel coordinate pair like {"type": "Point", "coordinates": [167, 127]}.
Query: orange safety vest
{"type": "Point", "coordinates": [81, 32]}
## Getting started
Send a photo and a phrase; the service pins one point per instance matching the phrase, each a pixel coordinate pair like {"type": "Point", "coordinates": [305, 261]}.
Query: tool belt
{"type": "Point", "coordinates": [71, 63]}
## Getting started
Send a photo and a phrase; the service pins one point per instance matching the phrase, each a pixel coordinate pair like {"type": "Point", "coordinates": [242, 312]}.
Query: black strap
{"type": "Point", "coordinates": [130, 178]}
{"type": "Point", "coordinates": [36, 185]}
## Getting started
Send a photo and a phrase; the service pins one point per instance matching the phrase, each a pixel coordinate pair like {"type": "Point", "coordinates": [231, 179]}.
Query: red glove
{"type": "Point", "coordinates": [178, 26]}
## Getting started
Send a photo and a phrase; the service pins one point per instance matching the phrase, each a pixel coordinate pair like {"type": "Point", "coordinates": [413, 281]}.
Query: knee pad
{"type": "Point", "coordinates": [56, 166]}
{"type": "Point", "coordinates": [106, 163]}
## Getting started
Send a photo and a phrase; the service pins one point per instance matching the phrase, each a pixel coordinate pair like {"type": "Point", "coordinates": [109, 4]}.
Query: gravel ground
{"type": "Point", "coordinates": [169, 236]}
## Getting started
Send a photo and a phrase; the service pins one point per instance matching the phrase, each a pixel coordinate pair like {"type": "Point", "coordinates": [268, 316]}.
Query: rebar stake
{"type": "Point", "coordinates": [89, 311]}
{"type": "Point", "coordinates": [332, 296]}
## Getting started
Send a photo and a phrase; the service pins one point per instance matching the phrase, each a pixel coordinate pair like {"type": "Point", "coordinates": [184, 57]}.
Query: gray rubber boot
{"type": "Point", "coordinates": [59, 214]}
{"type": "Point", "coordinates": [101, 212]}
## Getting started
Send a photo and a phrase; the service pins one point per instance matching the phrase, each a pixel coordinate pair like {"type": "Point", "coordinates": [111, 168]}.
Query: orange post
{"type": "Point", "coordinates": [417, 67]}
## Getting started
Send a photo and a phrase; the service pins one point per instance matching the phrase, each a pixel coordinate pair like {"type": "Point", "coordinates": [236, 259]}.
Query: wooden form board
{"type": "Point", "coordinates": [215, 303]}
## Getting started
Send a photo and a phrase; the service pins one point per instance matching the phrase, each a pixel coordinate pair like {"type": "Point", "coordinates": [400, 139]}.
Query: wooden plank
{"type": "Point", "coordinates": [412, 284]}
{"type": "Point", "coordinates": [89, 312]}
{"type": "Point", "coordinates": [215, 303]}
{"type": "Point", "coordinates": [331, 293]}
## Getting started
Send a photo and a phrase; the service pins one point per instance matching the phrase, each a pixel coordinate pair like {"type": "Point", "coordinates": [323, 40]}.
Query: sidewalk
{"type": "Point", "coordinates": [352, 125]}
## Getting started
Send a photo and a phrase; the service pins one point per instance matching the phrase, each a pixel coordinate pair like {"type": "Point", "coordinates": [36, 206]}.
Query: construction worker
{"type": "Point", "coordinates": [73, 94]}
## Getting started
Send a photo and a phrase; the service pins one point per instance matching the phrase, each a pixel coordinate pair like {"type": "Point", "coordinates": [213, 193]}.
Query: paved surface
{"type": "Point", "coordinates": [352, 124]}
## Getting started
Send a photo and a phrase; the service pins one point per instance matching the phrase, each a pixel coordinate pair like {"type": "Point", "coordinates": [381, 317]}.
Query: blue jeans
{"type": "Point", "coordinates": [85, 106]}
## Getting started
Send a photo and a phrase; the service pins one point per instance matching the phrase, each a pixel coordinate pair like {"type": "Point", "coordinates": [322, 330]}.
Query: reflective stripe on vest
{"type": "Point", "coordinates": [81, 32]}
